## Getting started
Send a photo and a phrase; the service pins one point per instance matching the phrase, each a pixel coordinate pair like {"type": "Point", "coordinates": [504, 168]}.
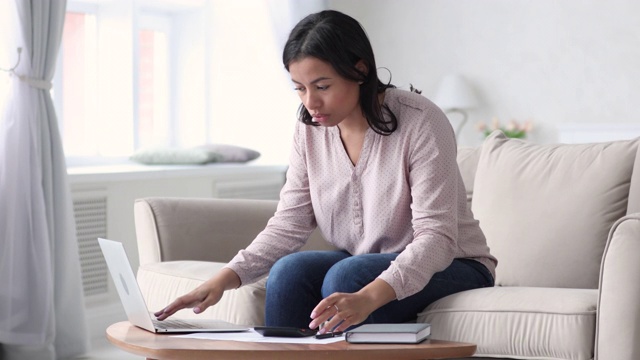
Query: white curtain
{"type": "Point", "coordinates": [41, 300]}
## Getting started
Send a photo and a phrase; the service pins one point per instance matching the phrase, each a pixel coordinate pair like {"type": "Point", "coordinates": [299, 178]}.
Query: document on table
{"type": "Point", "coordinates": [252, 336]}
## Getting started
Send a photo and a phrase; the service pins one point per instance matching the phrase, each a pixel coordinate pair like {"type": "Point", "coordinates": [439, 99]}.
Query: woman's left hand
{"type": "Point", "coordinates": [346, 309]}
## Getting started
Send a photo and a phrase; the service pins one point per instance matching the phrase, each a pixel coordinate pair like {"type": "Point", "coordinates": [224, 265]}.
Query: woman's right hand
{"type": "Point", "coordinates": [205, 295]}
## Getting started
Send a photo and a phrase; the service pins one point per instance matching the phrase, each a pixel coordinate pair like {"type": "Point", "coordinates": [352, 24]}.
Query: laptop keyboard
{"type": "Point", "coordinates": [176, 324]}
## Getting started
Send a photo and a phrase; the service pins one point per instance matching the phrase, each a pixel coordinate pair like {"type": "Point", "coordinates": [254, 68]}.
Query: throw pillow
{"type": "Point", "coordinates": [173, 156]}
{"type": "Point", "coordinates": [230, 153]}
{"type": "Point", "coordinates": [546, 210]}
{"type": "Point", "coordinates": [194, 156]}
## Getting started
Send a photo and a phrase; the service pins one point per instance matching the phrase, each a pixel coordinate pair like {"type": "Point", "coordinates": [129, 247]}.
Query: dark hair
{"type": "Point", "coordinates": [341, 41]}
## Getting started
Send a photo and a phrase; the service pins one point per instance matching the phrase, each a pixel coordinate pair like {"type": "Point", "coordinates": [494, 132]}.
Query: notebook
{"type": "Point", "coordinates": [136, 308]}
{"type": "Point", "coordinates": [405, 333]}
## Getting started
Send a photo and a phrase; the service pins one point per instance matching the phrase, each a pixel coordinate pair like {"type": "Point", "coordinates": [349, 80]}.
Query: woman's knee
{"type": "Point", "coordinates": [308, 267]}
{"type": "Point", "coordinates": [286, 267]}
{"type": "Point", "coordinates": [352, 274]}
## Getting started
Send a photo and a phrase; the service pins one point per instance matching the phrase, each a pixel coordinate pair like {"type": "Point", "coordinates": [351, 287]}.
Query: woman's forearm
{"type": "Point", "coordinates": [378, 293]}
{"type": "Point", "coordinates": [226, 279]}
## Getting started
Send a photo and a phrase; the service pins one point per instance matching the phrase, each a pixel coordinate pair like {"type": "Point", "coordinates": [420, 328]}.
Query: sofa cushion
{"type": "Point", "coordinates": [546, 210]}
{"type": "Point", "coordinates": [163, 282]}
{"type": "Point", "coordinates": [634, 191]}
{"type": "Point", "coordinates": [468, 164]}
{"type": "Point", "coordinates": [518, 322]}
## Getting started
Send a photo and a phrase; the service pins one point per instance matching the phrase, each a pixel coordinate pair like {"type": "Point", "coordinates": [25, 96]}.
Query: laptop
{"type": "Point", "coordinates": [135, 307]}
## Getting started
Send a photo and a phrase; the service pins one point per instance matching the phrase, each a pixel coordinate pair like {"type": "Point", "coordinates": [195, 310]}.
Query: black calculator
{"type": "Point", "coordinates": [283, 331]}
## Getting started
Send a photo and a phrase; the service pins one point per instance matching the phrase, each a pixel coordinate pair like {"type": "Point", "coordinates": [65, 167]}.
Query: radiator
{"type": "Point", "coordinates": [90, 212]}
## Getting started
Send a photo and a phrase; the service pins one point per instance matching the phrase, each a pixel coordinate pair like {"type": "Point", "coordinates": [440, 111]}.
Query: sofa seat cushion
{"type": "Point", "coordinates": [518, 322]}
{"type": "Point", "coordinates": [163, 282]}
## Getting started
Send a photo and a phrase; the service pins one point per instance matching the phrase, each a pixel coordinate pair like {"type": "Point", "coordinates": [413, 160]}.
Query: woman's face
{"type": "Point", "coordinates": [329, 98]}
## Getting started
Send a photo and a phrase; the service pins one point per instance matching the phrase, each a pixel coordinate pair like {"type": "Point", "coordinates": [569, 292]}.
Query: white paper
{"type": "Point", "coordinates": [253, 336]}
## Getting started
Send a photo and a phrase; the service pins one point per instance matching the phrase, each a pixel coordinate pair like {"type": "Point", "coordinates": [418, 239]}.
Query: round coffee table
{"type": "Point", "coordinates": [162, 346]}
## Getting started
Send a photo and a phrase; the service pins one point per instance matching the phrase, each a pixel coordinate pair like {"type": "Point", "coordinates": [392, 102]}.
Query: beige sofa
{"type": "Point", "coordinates": [563, 220]}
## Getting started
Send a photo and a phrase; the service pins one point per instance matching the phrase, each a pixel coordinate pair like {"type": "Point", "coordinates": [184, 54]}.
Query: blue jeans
{"type": "Point", "coordinates": [297, 283]}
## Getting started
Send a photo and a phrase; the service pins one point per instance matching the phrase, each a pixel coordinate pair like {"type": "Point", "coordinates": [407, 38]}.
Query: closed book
{"type": "Point", "coordinates": [405, 333]}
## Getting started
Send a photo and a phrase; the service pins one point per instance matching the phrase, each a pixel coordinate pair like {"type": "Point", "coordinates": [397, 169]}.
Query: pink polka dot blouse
{"type": "Point", "coordinates": [405, 195]}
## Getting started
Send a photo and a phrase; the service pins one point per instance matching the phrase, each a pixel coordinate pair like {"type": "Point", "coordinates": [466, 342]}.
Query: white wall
{"type": "Point", "coordinates": [252, 101]}
{"type": "Point", "coordinates": [554, 62]}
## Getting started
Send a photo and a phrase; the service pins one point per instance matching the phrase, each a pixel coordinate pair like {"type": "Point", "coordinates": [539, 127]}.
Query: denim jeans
{"type": "Point", "coordinates": [297, 283]}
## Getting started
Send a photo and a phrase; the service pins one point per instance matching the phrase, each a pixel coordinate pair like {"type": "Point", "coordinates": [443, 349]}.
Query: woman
{"type": "Point", "coordinates": [375, 169]}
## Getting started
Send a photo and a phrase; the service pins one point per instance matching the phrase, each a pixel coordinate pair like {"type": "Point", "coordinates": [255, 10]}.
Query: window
{"type": "Point", "coordinates": [113, 80]}
{"type": "Point", "coordinates": [75, 94]}
{"type": "Point", "coordinates": [142, 73]}
{"type": "Point", "coordinates": [153, 83]}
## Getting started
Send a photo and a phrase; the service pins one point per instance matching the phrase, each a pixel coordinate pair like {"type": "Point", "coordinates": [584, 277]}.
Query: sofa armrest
{"type": "Point", "coordinates": [162, 282]}
{"type": "Point", "coordinates": [618, 320]}
{"type": "Point", "coordinates": [172, 229]}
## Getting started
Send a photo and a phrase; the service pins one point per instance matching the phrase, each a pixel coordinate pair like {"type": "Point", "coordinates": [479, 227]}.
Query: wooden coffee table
{"type": "Point", "coordinates": [153, 346]}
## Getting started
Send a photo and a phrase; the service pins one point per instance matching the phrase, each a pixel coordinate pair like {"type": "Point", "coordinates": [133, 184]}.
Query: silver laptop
{"type": "Point", "coordinates": [136, 308]}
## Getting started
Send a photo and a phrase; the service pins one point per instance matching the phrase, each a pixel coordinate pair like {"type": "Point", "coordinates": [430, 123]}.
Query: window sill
{"type": "Point", "coordinates": [127, 171]}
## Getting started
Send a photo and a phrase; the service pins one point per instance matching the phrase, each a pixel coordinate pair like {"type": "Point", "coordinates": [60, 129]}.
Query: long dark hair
{"type": "Point", "coordinates": [341, 41]}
